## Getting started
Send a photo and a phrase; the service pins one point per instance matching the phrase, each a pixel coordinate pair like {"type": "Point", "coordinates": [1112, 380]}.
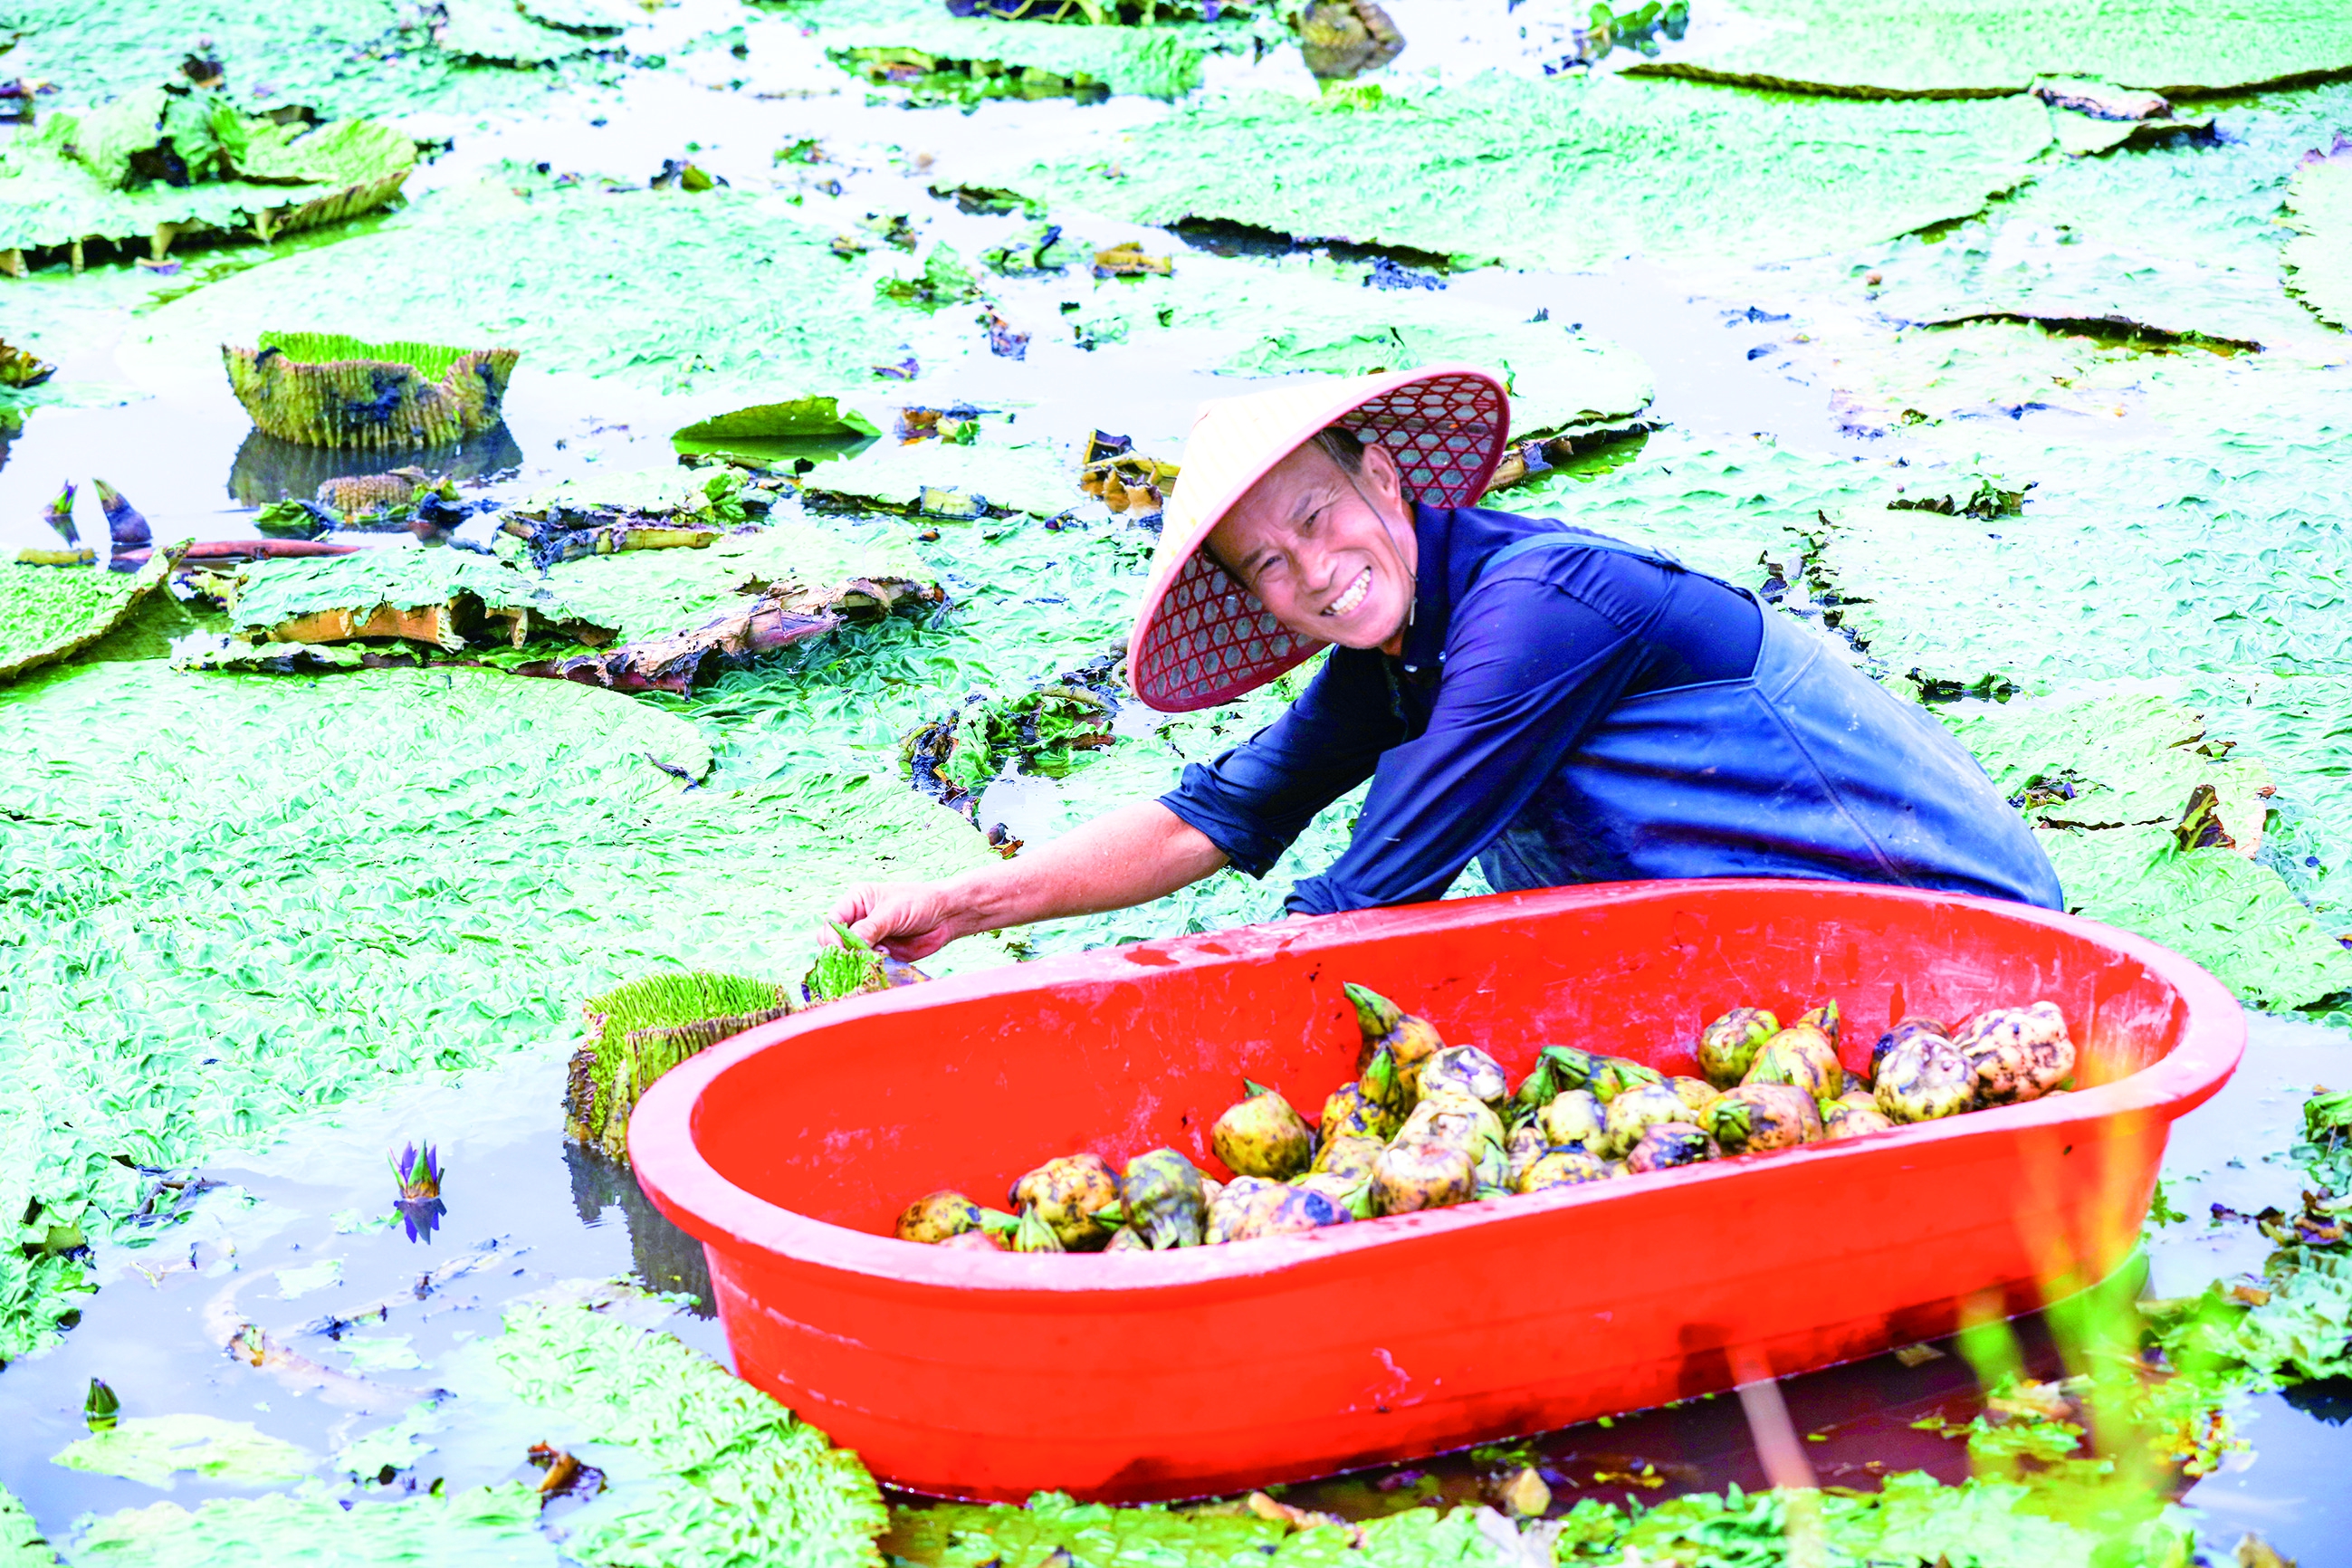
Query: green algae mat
{"type": "Point", "coordinates": [2319, 258]}
{"type": "Point", "coordinates": [1954, 49]}
{"type": "Point", "coordinates": [1598, 168]}
{"type": "Point", "coordinates": [244, 895]}
{"type": "Point", "coordinates": [366, 57]}
{"type": "Point", "coordinates": [1159, 60]}
{"type": "Point", "coordinates": [47, 613]}
{"type": "Point", "coordinates": [579, 280]}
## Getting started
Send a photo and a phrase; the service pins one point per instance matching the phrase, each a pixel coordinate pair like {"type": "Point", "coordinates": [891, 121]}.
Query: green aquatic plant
{"type": "Point", "coordinates": [322, 389]}
{"type": "Point", "coordinates": [584, 280]}
{"type": "Point", "coordinates": [967, 59]}
{"type": "Point", "coordinates": [47, 613]}
{"type": "Point", "coordinates": [153, 1450]}
{"type": "Point", "coordinates": [1885, 48]}
{"type": "Point", "coordinates": [1601, 167]}
{"type": "Point", "coordinates": [637, 1032]}
{"type": "Point", "coordinates": [717, 1472]}
{"type": "Point", "coordinates": [266, 894]}
{"type": "Point", "coordinates": [2318, 259]}
{"type": "Point", "coordinates": [162, 163]}
{"type": "Point", "coordinates": [442, 598]}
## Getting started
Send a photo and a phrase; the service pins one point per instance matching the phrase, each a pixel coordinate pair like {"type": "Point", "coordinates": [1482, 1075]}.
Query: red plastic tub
{"type": "Point", "coordinates": [789, 1150]}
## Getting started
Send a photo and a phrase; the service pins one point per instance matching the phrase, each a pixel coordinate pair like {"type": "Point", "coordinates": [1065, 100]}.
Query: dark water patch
{"type": "Point", "coordinates": [267, 468]}
{"type": "Point", "coordinates": [2111, 332]}
{"type": "Point", "coordinates": [1223, 236]}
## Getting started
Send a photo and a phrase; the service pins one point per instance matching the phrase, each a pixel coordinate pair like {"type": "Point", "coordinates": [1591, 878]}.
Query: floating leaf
{"type": "Point", "coordinates": [155, 1450]}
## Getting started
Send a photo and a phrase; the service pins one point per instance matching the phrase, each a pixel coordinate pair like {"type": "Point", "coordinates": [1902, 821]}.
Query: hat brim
{"type": "Point", "coordinates": [1200, 638]}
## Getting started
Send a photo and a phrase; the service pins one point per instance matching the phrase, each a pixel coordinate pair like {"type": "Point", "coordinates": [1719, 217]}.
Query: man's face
{"type": "Point", "coordinates": [1313, 549]}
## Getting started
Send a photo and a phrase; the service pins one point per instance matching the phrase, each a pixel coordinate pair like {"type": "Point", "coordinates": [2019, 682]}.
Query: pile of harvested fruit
{"type": "Point", "coordinates": [1426, 1125]}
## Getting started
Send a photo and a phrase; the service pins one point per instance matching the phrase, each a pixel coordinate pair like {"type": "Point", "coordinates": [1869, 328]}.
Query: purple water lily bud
{"type": "Point", "coordinates": [419, 1205]}
{"type": "Point", "coordinates": [59, 516]}
{"type": "Point", "coordinates": [123, 524]}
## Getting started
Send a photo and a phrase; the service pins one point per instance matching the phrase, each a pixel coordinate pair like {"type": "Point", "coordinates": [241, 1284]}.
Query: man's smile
{"type": "Point", "coordinates": [1351, 596]}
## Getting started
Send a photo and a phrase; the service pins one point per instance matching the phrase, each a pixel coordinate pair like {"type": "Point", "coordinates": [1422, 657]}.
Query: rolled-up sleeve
{"type": "Point", "coordinates": [1252, 801]}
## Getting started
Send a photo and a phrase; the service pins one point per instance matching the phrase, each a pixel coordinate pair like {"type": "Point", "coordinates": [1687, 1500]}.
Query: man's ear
{"type": "Point", "coordinates": [1387, 478]}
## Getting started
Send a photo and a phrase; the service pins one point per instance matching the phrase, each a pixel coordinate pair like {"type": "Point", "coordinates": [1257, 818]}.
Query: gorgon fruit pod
{"type": "Point", "coordinates": [1728, 1044]}
{"type": "Point", "coordinates": [1464, 1069]}
{"type": "Point", "coordinates": [1799, 1054]}
{"type": "Point", "coordinates": [2018, 1053]}
{"type": "Point", "coordinates": [1666, 1145]}
{"type": "Point", "coordinates": [1415, 1176]}
{"type": "Point", "coordinates": [1643, 1106]}
{"type": "Point", "coordinates": [1902, 1030]}
{"type": "Point", "coordinates": [1757, 1118]}
{"type": "Point", "coordinates": [1262, 1136]}
{"type": "Point", "coordinates": [1411, 1039]}
{"type": "Point", "coordinates": [1065, 1194]}
{"type": "Point", "coordinates": [1924, 1078]}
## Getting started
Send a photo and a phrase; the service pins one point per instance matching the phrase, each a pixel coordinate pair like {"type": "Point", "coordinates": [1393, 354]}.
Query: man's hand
{"type": "Point", "coordinates": [908, 920]}
{"type": "Point", "coordinates": [1135, 854]}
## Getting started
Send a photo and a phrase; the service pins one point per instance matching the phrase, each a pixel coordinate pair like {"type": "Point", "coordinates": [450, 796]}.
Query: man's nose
{"type": "Point", "coordinates": [1315, 567]}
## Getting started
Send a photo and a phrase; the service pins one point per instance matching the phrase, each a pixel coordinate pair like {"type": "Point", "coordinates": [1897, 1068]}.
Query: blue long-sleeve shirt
{"type": "Point", "coordinates": [1581, 711]}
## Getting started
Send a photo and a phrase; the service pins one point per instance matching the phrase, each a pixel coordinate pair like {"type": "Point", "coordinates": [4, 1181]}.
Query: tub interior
{"type": "Point", "coordinates": [854, 1115]}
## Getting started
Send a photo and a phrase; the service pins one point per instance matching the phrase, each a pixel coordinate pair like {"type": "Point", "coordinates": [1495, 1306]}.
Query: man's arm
{"type": "Point", "coordinates": [1134, 855]}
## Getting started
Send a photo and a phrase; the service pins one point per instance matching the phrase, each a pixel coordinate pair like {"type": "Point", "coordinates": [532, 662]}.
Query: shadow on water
{"type": "Point", "coordinates": [662, 1257]}
{"type": "Point", "coordinates": [267, 468]}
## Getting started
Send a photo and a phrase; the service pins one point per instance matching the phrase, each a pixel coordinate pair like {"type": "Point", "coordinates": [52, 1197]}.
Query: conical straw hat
{"type": "Point", "coordinates": [1201, 638]}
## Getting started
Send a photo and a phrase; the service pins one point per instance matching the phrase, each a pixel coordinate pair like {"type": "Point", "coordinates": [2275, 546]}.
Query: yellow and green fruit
{"type": "Point", "coordinates": [1904, 1029]}
{"type": "Point", "coordinates": [1465, 1070]}
{"type": "Point", "coordinates": [1064, 1194]}
{"type": "Point", "coordinates": [1638, 1108]}
{"type": "Point", "coordinates": [1728, 1046]}
{"type": "Point", "coordinates": [1412, 1177]}
{"type": "Point", "coordinates": [1663, 1145]}
{"type": "Point", "coordinates": [1842, 1120]}
{"type": "Point", "coordinates": [1612, 1076]}
{"type": "Point", "coordinates": [1696, 1093]}
{"type": "Point", "coordinates": [1252, 1207]}
{"type": "Point", "coordinates": [1576, 1118]}
{"type": "Point", "coordinates": [1161, 1200]}
{"type": "Point", "coordinates": [1757, 1118]}
{"type": "Point", "coordinates": [2017, 1052]}
{"type": "Point", "coordinates": [1566, 1168]}
{"type": "Point", "coordinates": [1034, 1233]}
{"type": "Point", "coordinates": [1924, 1079]}
{"type": "Point", "coordinates": [1411, 1039]}
{"type": "Point", "coordinates": [1262, 1136]}
{"type": "Point", "coordinates": [936, 1216]}
{"type": "Point", "coordinates": [1799, 1054]}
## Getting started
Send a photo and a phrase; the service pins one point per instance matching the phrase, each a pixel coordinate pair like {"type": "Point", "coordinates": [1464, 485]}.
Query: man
{"type": "Point", "coordinates": [1560, 707]}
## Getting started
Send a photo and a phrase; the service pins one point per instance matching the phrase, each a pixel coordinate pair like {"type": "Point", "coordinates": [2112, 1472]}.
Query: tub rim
{"type": "Point", "coordinates": [686, 1187]}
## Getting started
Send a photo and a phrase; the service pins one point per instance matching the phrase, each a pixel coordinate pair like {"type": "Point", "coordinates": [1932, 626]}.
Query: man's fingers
{"type": "Point", "coordinates": [855, 904]}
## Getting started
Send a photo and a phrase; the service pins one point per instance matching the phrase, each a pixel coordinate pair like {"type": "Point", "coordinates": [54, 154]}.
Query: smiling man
{"type": "Point", "coordinates": [1558, 706]}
